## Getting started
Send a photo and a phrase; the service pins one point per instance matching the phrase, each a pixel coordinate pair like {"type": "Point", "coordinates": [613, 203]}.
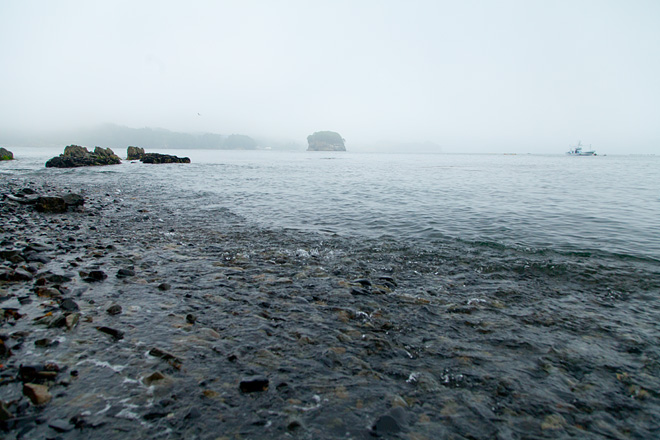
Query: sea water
{"type": "Point", "coordinates": [603, 204]}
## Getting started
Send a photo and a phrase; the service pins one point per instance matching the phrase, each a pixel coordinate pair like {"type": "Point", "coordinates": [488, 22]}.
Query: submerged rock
{"type": "Point", "coordinates": [116, 334]}
{"type": "Point", "coordinates": [76, 156]}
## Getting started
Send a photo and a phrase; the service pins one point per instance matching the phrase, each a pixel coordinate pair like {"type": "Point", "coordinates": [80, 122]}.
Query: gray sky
{"type": "Point", "coordinates": [470, 76]}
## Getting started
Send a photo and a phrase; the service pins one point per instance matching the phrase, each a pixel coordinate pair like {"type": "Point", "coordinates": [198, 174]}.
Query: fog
{"type": "Point", "coordinates": [468, 76]}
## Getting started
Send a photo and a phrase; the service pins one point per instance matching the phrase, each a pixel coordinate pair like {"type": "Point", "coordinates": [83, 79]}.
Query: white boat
{"type": "Point", "coordinates": [577, 151]}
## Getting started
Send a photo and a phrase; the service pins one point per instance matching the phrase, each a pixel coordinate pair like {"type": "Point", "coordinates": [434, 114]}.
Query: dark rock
{"type": "Point", "coordinates": [363, 281]}
{"type": "Point", "coordinates": [15, 275]}
{"type": "Point", "coordinates": [254, 384]}
{"type": "Point", "coordinates": [391, 423]}
{"type": "Point", "coordinates": [163, 158]}
{"type": "Point", "coordinates": [69, 305]}
{"type": "Point", "coordinates": [73, 200]}
{"type": "Point", "coordinates": [116, 334]}
{"type": "Point", "coordinates": [125, 273]}
{"type": "Point", "coordinates": [45, 342]}
{"type": "Point", "coordinates": [134, 153]}
{"type": "Point", "coordinates": [194, 413]}
{"type": "Point", "coordinates": [59, 279]}
{"type": "Point", "coordinates": [51, 204]}
{"type": "Point", "coordinates": [95, 275]}
{"type": "Point", "coordinates": [12, 255]}
{"type": "Point", "coordinates": [359, 291]}
{"type": "Point", "coordinates": [57, 321]}
{"type": "Point", "coordinates": [6, 154]}
{"type": "Point", "coordinates": [5, 351]}
{"type": "Point", "coordinates": [153, 415]}
{"type": "Point", "coordinates": [4, 412]}
{"type": "Point", "coordinates": [190, 318]}
{"type": "Point", "coordinates": [76, 156]}
{"type": "Point", "coordinates": [114, 309]}
{"type": "Point", "coordinates": [34, 257]}
{"type": "Point", "coordinates": [164, 286]}
{"type": "Point", "coordinates": [37, 247]}
{"type": "Point", "coordinates": [38, 373]}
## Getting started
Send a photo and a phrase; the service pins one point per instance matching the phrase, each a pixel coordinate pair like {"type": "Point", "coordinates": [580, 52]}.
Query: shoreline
{"type": "Point", "coordinates": [225, 330]}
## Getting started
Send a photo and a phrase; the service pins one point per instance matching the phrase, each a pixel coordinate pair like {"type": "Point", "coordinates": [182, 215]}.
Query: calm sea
{"type": "Point", "coordinates": [603, 204]}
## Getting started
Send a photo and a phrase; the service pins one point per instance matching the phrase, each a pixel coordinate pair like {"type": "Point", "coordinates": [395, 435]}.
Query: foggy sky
{"type": "Point", "coordinates": [470, 76]}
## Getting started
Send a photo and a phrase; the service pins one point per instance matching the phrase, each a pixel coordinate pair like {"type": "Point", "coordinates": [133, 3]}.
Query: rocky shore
{"type": "Point", "coordinates": [124, 317]}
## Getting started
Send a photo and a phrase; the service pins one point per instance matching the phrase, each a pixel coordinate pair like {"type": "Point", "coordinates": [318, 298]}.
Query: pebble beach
{"type": "Point", "coordinates": [126, 317]}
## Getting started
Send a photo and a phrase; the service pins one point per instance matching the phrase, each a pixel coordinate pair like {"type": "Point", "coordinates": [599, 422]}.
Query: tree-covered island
{"type": "Point", "coordinates": [325, 141]}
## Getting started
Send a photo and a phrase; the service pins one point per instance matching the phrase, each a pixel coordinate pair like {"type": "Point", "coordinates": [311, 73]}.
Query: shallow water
{"type": "Point", "coordinates": [594, 204]}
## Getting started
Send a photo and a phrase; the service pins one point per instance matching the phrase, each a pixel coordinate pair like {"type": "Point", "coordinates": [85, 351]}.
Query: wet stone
{"type": "Point", "coordinates": [38, 394]}
{"type": "Point", "coordinates": [194, 413]}
{"type": "Point", "coordinates": [254, 384]}
{"type": "Point", "coordinates": [169, 358]}
{"type": "Point", "coordinates": [5, 414]}
{"type": "Point", "coordinates": [72, 320]}
{"type": "Point", "coordinates": [61, 425]}
{"type": "Point", "coordinates": [51, 205]}
{"type": "Point", "coordinates": [116, 334]}
{"type": "Point", "coordinates": [164, 286]}
{"type": "Point", "coordinates": [45, 342]}
{"type": "Point", "coordinates": [96, 275]}
{"type": "Point", "coordinates": [114, 309]}
{"type": "Point", "coordinates": [69, 305]}
{"type": "Point", "coordinates": [59, 278]}
{"type": "Point", "coordinates": [48, 292]}
{"type": "Point", "coordinates": [38, 373]}
{"type": "Point", "coordinates": [153, 377]}
{"type": "Point", "coordinates": [125, 273]}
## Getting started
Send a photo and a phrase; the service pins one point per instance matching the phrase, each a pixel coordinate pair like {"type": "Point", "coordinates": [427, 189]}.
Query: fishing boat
{"type": "Point", "coordinates": [577, 151]}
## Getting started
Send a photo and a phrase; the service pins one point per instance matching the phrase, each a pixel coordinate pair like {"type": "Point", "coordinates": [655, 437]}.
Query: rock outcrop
{"type": "Point", "coordinates": [137, 153]}
{"type": "Point", "coordinates": [77, 156]}
{"type": "Point", "coordinates": [6, 154]}
{"type": "Point", "coordinates": [163, 158]}
{"type": "Point", "coordinates": [134, 153]}
{"type": "Point", "coordinates": [325, 141]}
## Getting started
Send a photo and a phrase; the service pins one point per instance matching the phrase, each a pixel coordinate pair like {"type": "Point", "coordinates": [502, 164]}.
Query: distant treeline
{"type": "Point", "coordinates": [119, 137]}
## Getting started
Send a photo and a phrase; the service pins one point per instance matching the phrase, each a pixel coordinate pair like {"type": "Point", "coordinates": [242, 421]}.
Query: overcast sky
{"type": "Point", "coordinates": [469, 75]}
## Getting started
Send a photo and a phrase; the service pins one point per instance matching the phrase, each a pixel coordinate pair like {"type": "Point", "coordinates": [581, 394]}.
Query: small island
{"type": "Point", "coordinates": [325, 141]}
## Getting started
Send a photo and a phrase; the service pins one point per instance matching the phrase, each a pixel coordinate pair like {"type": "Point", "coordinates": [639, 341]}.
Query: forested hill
{"type": "Point", "coordinates": [115, 136]}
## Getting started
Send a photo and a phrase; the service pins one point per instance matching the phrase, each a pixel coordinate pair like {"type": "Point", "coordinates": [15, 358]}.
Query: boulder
{"type": "Point", "coordinates": [6, 154]}
{"type": "Point", "coordinates": [325, 141]}
{"type": "Point", "coordinates": [163, 158]}
{"type": "Point", "coordinates": [58, 204]}
{"type": "Point", "coordinates": [38, 394]}
{"type": "Point", "coordinates": [77, 156]}
{"type": "Point", "coordinates": [134, 153]}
